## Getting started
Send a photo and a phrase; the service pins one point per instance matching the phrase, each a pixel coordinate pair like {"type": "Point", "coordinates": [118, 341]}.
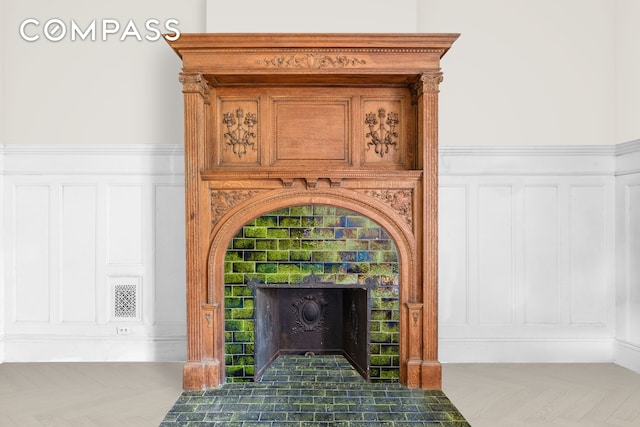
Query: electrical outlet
{"type": "Point", "coordinates": [123, 330]}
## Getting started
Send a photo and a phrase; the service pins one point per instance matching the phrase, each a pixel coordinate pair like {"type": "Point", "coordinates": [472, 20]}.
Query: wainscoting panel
{"type": "Point", "coordinates": [453, 248]}
{"type": "Point", "coordinates": [93, 254]}
{"type": "Point", "coordinates": [535, 269]}
{"type": "Point", "coordinates": [78, 253]}
{"type": "Point", "coordinates": [538, 251]}
{"type": "Point", "coordinates": [495, 281]}
{"type": "Point", "coordinates": [633, 250]}
{"type": "Point", "coordinates": [124, 236]}
{"type": "Point", "coordinates": [540, 255]}
{"type": "Point", "coordinates": [627, 202]}
{"type": "Point", "coordinates": [32, 272]}
{"type": "Point", "coordinates": [589, 265]}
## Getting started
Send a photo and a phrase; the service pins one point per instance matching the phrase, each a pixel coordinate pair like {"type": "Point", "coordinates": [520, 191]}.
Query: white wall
{"type": "Point", "coordinates": [93, 92]}
{"type": "Point", "coordinates": [627, 70]}
{"type": "Point", "coordinates": [327, 16]}
{"type": "Point", "coordinates": [526, 73]}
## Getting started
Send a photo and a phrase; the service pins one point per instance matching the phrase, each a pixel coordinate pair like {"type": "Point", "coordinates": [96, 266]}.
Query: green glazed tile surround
{"type": "Point", "coordinates": [289, 244]}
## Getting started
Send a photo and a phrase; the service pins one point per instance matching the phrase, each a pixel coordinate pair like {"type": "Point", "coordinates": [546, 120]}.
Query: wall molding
{"type": "Point", "coordinates": [627, 355]}
{"type": "Point", "coordinates": [523, 350]}
{"type": "Point", "coordinates": [64, 348]}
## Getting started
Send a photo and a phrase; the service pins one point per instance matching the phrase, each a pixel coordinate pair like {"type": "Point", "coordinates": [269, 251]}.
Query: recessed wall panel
{"type": "Point", "coordinates": [589, 262]}
{"type": "Point", "coordinates": [541, 254]}
{"type": "Point", "coordinates": [124, 224]}
{"type": "Point", "coordinates": [633, 256]}
{"type": "Point", "coordinates": [452, 255]}
{"type": "Point", "coordinates": [78, 256]}
{"type": "Point", "coordinates": [32, 253]}
{"type": "Point", "coordinates": [495, 254]}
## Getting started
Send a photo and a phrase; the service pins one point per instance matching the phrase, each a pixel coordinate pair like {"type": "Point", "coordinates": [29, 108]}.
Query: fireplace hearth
{"type": "Point", "coordinates": [272, 121]}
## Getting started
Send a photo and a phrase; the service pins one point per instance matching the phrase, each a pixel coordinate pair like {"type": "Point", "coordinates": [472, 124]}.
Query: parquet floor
{"type": "Point", "coordinates": [87, 394]}
{"type": "Point", "coordinates": [495, 395]}
{"type": "Point", "coordinates": [545, 395]}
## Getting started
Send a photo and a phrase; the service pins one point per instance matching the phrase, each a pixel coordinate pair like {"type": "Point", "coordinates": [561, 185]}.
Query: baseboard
{"type": "Point", "coordinates": [27, 348]}
{"type": "Point", "coordinates": [627, 355]}
{"type": "Point", "coordinates": [526, 350]}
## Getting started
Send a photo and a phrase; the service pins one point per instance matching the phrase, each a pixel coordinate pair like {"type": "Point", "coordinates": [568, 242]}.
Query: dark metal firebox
{"type": "Point", "coordinates": [313, 317]}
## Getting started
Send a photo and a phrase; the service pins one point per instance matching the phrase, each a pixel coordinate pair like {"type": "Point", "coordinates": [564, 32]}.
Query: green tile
{"type": "Point", "coordinates": [266, 244]}
{"type": "Point", "coordinates": [271, 267]}
{"type": "Point", "coordinates": [267, 221]}
{"type": "Point", "coordinates": [288, 244]}
{"type": "Point", "coordinates": [289, 221]}
{"type": "Point", "coordinates": [278, 256]}
{"type": "Point", "coordinates": [301, 210]}
{"type": "Point", "coordinates": [244, 267]}
{"type": "Point", "coordinates": [244, 243]}
{"type": "Point", "coordinates": [300, 255]}
{"type": "Point", "coordinates": [255, 232]}
{"type": "Point", "coordinates": [278, 233]}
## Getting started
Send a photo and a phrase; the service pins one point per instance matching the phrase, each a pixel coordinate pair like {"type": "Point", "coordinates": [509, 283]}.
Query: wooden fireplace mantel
{"type": "Point", "coordinates": [278, 120]}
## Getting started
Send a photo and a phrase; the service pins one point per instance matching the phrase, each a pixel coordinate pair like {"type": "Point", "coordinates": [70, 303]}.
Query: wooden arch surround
{"type": "Point", "coordinates": [279, 120]}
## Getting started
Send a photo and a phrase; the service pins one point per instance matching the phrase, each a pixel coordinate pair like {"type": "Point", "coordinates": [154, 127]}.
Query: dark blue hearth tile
{"type": "Point", "coordinates": [319, 391]}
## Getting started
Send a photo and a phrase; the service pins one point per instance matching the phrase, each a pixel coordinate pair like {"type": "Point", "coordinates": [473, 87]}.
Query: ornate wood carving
{"type": "Point", "coordinates": [381, 137]}
{"type": "Point", "coordinates": [237, 136]}
{"type": "Point", "coordinates": [428, 83]}
{"type": "Point", "coordinates": [311, 60]}
{"type": "Point", "coordinates": [195, 83]}
{"type": "Point", "coordinates": [400, 200]}
{"type": "Point", "coordinates": [222, 201]}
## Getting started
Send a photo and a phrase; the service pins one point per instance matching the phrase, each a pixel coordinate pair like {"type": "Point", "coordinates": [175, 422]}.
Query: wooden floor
{"type": "Point", "coordinates": [514, 395]}
{"type": "Point", "coordinates": [140, 394]}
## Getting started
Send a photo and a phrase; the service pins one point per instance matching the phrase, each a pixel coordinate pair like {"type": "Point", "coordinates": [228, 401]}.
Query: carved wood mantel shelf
{"type": "Point", "coordinates": [278, 120]}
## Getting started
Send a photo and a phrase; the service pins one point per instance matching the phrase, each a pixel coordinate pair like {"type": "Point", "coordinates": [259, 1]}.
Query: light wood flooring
{"type": "Point", "coordinates": [585, 395]}
{"type": "Point", "coordinates": [140, 394]}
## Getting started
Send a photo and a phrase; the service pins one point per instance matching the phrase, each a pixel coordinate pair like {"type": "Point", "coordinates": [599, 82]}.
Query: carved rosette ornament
{"type": "Point", "coordinates": [222, 201]}
{"type": "Point", "coordinates": [311, 61]}
{"type": "Point", "coordinates": [400, 201]}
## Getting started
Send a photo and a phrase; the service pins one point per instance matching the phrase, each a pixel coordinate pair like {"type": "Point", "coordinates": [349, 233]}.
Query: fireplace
{"type": "Point", "coordinates": [275, 121]}
{"type": "Point", "coordinates": [312, 319]}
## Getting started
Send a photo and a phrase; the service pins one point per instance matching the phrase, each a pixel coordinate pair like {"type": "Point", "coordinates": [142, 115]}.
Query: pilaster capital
{"type": "Point", "coordinates": [195, 83]}
{"type": "Point", "coordinates": [428, 83]}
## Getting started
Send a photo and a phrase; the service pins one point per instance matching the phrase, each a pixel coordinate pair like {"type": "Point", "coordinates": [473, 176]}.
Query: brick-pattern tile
{"type": "Point", "coordinates": [335, 244]}
{"type": "Point", "coordinates": [318, 391]}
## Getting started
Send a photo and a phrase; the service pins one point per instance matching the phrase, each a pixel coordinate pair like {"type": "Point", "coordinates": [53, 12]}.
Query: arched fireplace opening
{"type": "Point", "coordinates": [312, 279]}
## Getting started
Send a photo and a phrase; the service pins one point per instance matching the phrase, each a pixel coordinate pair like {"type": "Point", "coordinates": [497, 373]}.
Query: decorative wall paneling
{"type": "Point", "coordinates": [628, 255]}
{"type": "Point", "coordinates": [527, 254]}
{"type": "Point", "coordinates": [94, 260]}
{"type": "Point", "coordinates": [575, 189]}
